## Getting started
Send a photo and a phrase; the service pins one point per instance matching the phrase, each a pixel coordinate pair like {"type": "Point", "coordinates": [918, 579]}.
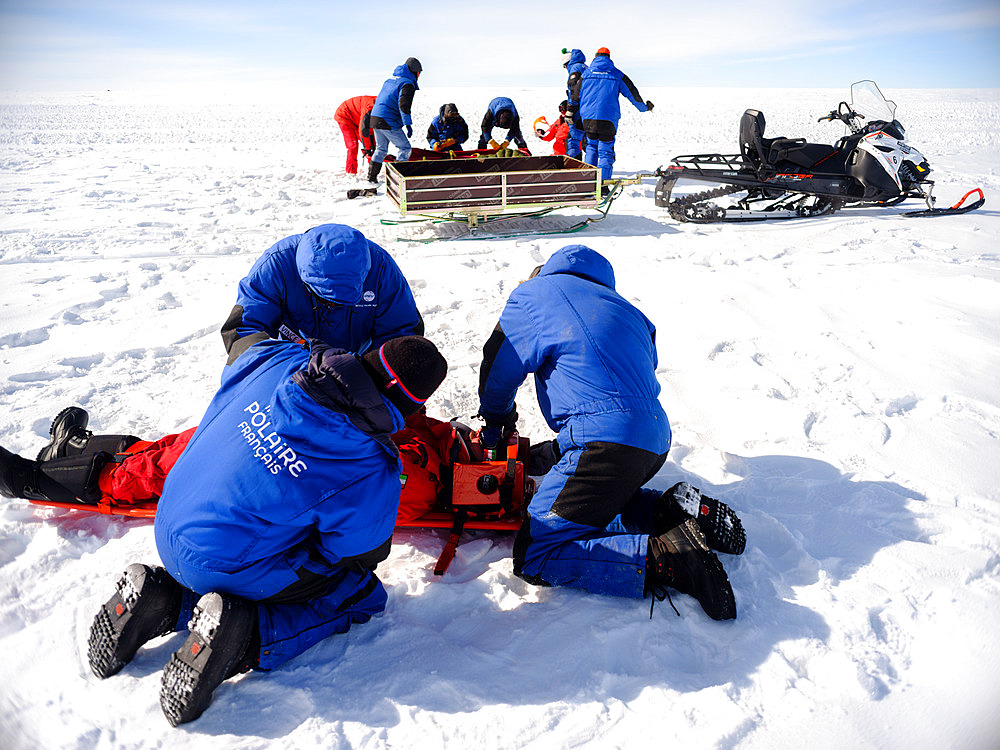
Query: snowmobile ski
{"type": "Point", "coordinates": [958, 208]}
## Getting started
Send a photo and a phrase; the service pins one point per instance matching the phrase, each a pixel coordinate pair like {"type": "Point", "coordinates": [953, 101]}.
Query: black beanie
{"type": "Point", "coordinates": [407, 370]}
{"type": "Point", "coordinates": [505, 118]}
{"type": "Point", "coordinates": [414, 65]}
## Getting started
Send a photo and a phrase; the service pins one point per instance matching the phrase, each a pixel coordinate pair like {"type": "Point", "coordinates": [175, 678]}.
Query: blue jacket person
{"type": "Point", "coordinates": [591, 525]}
{"type": "Point", "coordinates": [275, 516]}
{"type": "Point", "coordinates": [329, 283]}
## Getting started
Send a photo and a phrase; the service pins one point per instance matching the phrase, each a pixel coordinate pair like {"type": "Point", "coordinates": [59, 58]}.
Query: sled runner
{"type": "Point", "coordinates": [788, 178]}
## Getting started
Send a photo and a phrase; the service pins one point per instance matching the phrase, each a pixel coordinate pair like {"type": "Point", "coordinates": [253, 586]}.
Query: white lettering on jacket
{"type": "Point", "coordinates": [266, 445]}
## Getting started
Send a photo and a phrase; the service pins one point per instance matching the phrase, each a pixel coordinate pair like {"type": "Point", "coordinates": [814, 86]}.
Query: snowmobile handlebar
{"type": "Point", "coordinates": [843, 112]}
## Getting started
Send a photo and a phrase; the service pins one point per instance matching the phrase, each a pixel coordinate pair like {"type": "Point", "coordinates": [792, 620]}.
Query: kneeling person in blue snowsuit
{"type": "Point", "coordinates": [448, 131]}
{"type": "Point", "coordinates": [591, 525]}
{"type": "Point", "coordinates": [501, 113]}
{"type": "Point", "coordinates": [391, 114]}
{"type": "Point", "coordinates": [600, 86]}
{"type": "Point", "coordinates": [274, 518]}
{"type": "Point", "coordinates": [330, 283]}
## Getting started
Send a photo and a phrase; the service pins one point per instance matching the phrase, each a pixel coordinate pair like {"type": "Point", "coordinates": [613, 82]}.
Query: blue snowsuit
{"type": "Point", "coordinates": [601, 85]}
{"type": "Point", "coordinates": [286, 495]}
{"type": "Point", "coordinates": [594, 359]}
{"type": "Point", "coordinates": [575, 69]}
{"type": "Point", "coordinates": [392, 107]}
{"type": "Point", "coordinates": [442, 129]}
{"type": "Point", "coordinates": [358, 299]}
{"type": "Point", "coordinates": [490, 122]}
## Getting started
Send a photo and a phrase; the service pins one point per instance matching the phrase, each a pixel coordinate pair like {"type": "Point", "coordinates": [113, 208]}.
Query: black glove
{"type": "Point", "coordinates": [649, 105]}
{"type": "Point", "coordinates": [367, 152]}
{"type": "Point", "coordinates": [409, 131]}
{"type": "Point", "coordinates": [497, 429]}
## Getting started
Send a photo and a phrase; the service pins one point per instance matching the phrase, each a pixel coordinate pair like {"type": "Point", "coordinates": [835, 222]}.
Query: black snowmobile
{"type": "Point", "coordinates": [784, 178]}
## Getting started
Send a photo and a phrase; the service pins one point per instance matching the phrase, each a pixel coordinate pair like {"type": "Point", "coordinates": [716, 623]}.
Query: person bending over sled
{"type": "Point", "coordinates": [273, 519]}
{"type": "Point", "coordinates": [591, 525]}
{"type": "Point", "coordinates": [501, 113]}
{"type": "Point", "coordinates": [330, 283]}
{"type": "Point", "coordinates": [354, 118]}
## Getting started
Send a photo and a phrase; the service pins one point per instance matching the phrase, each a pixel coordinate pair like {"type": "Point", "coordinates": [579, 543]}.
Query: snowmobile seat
{"type": "Point", "coordinates": [761, 151]}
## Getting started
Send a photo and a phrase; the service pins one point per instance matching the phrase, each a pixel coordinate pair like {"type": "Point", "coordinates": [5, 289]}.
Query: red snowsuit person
{"type": "Point", "coordinates": [351, 115]}
{"type": "Point", "coordinates": [558, 132]}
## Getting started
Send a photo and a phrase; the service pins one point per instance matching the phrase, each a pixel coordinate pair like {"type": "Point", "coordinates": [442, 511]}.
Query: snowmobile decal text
{"type": "Point", "coordinates": [266, 445]}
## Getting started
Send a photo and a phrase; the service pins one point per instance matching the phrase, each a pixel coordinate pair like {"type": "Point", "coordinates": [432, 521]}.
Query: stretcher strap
{"type": "Point", "coordinates": [448, 553]}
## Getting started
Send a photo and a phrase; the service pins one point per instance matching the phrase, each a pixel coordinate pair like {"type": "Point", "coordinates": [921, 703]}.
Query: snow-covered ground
{"type": "Point", "coordinates": [837, 381]}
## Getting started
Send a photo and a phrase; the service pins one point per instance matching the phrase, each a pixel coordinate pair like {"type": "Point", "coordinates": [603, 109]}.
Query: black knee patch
{"type": "Point", "coordinates": [606, 477]}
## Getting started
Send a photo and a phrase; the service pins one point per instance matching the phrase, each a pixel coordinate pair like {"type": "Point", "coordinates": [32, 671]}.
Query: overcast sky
{"type": "Point", "coordinates": [86, 45]}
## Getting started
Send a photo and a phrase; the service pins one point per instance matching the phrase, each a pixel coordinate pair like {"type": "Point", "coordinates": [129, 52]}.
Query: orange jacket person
{"type": "Point", "coordinates": [352, 115]}
{"type": "Point", "coordinates": [557, 132]}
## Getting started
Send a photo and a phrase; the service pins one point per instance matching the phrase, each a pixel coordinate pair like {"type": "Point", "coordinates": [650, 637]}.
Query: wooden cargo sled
{"type": "Point", "coordinates": [480, 189]}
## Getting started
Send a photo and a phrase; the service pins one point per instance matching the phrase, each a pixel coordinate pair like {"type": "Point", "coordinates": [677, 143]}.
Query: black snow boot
{"type": "Point", "coordinates": [223, 643]}
{"type": "Point", "coordinates": [73, 479]}
{"type": "Point", "coordinates": [680, 559]}
{"type": "Point", "coordinates": [68, 434]}
{"type": "Point", "coordinates": [721, 526]}
{"type": "Point", "coordinates": [373, 169]}
{"type": "Point", "coordinates": [70, 437]}
{"type": "Point", "coordinates": [146, 604]}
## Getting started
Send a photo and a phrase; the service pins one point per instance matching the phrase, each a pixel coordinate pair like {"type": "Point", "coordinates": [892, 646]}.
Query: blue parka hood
{"type": "Point", "coordinates": [576, 57]}
{"type": "Point", "coordinates": [334, 261]}
{"type": "Point", "coordinates": [402, 71]}
{"type": "Point", "coordinates": [593, 354]}
{"type": "Point", "coordinates": [580, 260]}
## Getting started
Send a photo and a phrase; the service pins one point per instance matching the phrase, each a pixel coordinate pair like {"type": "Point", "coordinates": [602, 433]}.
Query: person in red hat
{"type": "Point", "coordinates": [600, 86]}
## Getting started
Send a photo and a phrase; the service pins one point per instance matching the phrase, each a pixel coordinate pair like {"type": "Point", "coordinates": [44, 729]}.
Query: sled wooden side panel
{"type": "Point", "coordinates": [492, 185]}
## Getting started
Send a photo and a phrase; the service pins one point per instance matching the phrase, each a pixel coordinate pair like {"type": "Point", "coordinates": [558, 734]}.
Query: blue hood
{"type": "Point", "coordinates": [580, 260]}
{"type": "Point", "coordinates": [334, 261]}
{"type": "Point", "coordinates": [602, 63]}
{"type": "Point", "coordinates": [402, 71]}
{"type": "Point", "coordinates": [576, 57]}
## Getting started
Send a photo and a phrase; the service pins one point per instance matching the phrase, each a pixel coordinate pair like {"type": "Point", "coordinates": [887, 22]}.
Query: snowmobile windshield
{"type": "Point", "coordinates": [867, 100]}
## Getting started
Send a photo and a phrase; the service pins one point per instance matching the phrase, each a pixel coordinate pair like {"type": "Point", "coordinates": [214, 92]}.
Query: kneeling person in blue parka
{"type": "Point", "coordinates": [274, 518]}
{"type": "Point", "coordinates": [591, 525]}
